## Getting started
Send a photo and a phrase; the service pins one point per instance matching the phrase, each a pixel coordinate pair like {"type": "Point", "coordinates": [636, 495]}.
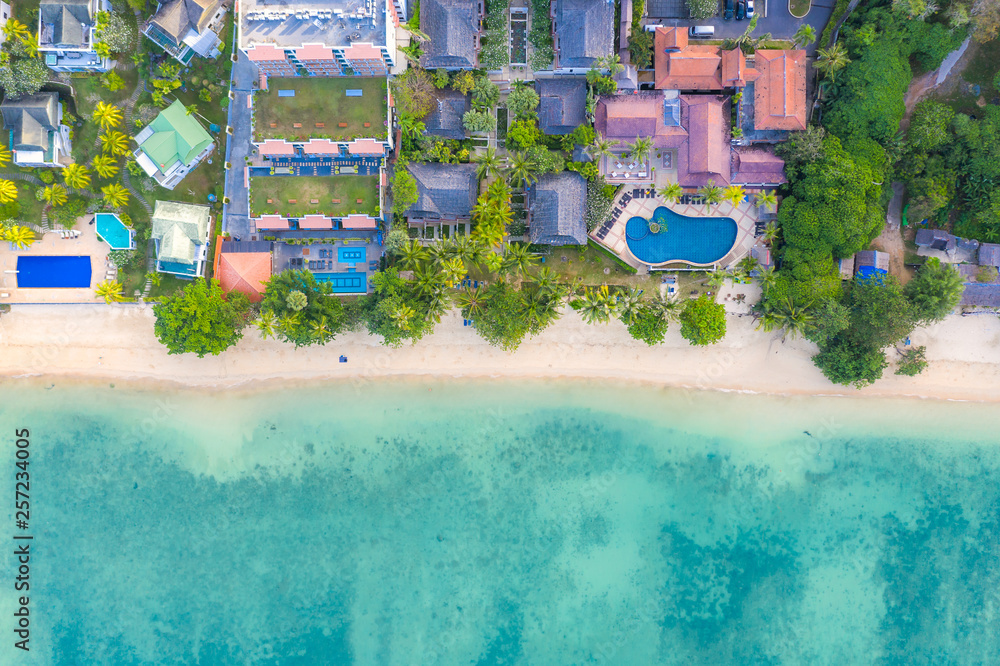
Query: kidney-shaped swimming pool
{"type": "Point", "coordinates": [698, 240]}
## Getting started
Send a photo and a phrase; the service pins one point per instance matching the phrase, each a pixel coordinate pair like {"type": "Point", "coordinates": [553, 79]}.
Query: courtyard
{"type": "Point", "coordinates": [340, 109]}
{"type": "Point", "coordinates": [297, 196]}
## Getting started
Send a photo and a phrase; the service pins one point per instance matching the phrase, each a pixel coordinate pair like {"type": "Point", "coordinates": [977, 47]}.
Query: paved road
{"type": "Point", "coordinates": [237, 221]}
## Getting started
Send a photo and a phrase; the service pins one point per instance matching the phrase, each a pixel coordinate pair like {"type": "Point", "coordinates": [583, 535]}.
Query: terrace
{"type": "Point", "coordinates": [316, 108]}
{"type": "Point", "coordinates": [330, 196]}
{"type": "Point", "coordinates": [332, 22]}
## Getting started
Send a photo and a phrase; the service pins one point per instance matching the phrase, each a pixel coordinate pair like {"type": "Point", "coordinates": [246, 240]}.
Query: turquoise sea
{"type": "Point", "coordinates": [406, 522]}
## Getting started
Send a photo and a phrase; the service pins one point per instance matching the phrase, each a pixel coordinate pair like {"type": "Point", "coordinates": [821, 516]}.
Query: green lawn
{"type": "Point", "coordinates": [799, 8]}
{"type": "Point", "coordinates": [324, 102]}
{"type": "Point", "coordinates": [304, 189]}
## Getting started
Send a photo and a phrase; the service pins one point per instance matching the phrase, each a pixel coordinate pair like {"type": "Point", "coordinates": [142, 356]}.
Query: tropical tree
{"type": "Point", "coordinates": [711, 194]}
{"type": "Point", "coordinates": [766, 199]}
{"type": "Point", "coordinates": [320, 330]}
{"type": "Point", "coordinates": [267, 324]}
{"type": "Point", "coordinates": [412, 254]}
{"type": "Point", "coordinates": [463, 247]}
{"type": "Point", "coordinates": [471, 300]}
{"type": "Point", "coordinates": [767, 278]}
{"type": "Point", "coordinates": [106, 166]}
{"type": "Point", "coordinates": [437, 305]}
{"type": "Point", "coordinates": [771, 232]}
{"type": "Point", "coordinates": [107, 115]}
{"type": "Point", "coordinates": [8, 191]}
{"type": "Point", "coordinates": [794, 319]}
{"type": "Point", "coordinates": [54, 195]}
{"type": "Point", "coordinates": [452, 271]}
{"type": "Point", "coordinates": [76, 176]}
{"type": "Point", "coordinates": [804, 36]}
{"type": "Point", "coordinates": [703, 321]}
{"type": "Point", "coordinates": [612, 63]}
{"type": "Point", "coordinates": [641, 148]}
{"type": "Point", "coordinates": [596, 305]}
{"type": "Point", "coordinates": [403, 316]}
{"type": "Point", "coordinates": [427, 279]}
{"type": "Point", "coordinates": [20, 236]}
{"type": "Point", "coordinates": [547, 282]}
{"type": "Point", "coordinates": [668, 307]}
{"type": "Point", "coordinates": [411, 126]}
{"type": "Point", "coordinates": [115, 195]}
{"type": "Point", "coordinates": [717, 278]}
{"type": "Point", "coordinates": [30, 46]}
{"type": "Point", "coordinates": [110, 291]}
{"type": "Point", "coordinates": [522, 171]}
{"type": "Point", "coordinates": [5, 156]}
{"type": "Point", "coordinates": [14, 29]}
{"type": "Point", "coordinates": [671, 192]}
{"type": "Point", "coordinates": [832, 60]}
{"type": "Point", "coordinates": [601, 147]}
{"type": "Point", "coordinates": [114, 142]}
{"type": "Point", "coordinates": [734, 195]}
{"type": "Point", "coordinates": [629, 304]}
{"type": "Point", "coordinates": [518, 258]}
{"type": "Point", "coordinates": [747, 265]}
{"type": "Point", "coordinates": [488, 164]}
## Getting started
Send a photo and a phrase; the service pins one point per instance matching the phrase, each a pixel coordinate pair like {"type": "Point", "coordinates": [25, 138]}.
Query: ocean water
{"type": "Point", "coordinates": [411, 522]}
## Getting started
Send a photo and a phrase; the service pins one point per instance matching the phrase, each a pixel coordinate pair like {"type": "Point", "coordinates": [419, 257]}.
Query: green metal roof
{"type": "Point", "coordinates": [177, 135]}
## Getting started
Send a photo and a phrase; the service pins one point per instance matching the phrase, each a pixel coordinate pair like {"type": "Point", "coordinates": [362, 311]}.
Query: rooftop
{"type": "Point", "coordinates": [321, 196]}
{"type": "Point", "coordinates": [585, 29]}
{"type": "Point", "coordinates": [452, 26]}
{"type": "Point", "coordinates": [298, 109]}
{"type": "Point", "coordinates": [64, 23]}
{"type": "Point", "coordinates": [245, 269]}
{"type": "Point", "coordinates": [780, 90]}
{"type": "Point", "coordinates": [175, 18]}
{"type": "Point", "coordinates": [680, 66]}
{"type": "Point", "coordinates": [443, 190]}
{"type": "Point", "coordinates": [180, 228]}
{"type": "Point", "coordinates": [445, 118]}
{"type": "Point", "coordinates": [173, 135]}
{"type": "Point", "coordinates": [989, 254]}
{"type": "Point", "coordinates": [562, 104]}
{"type": "Point", "coordinates": [558, 206]}
{"type": "Point", "coordinates": [329, 22]}
{"type": "Point", "coordinates": [31, 119]}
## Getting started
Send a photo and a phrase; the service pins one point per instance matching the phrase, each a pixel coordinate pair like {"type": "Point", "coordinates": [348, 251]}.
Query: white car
{"type": "Point", "coordinates": [749, 9]}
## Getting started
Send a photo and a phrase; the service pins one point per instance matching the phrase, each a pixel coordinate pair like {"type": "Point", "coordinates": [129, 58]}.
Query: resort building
{"type": "Point", "coordinates": [66, 35]}
{"type": "Point", "coordinates": [445, 118]}
{"type": "Point", "coordinates": [36, 135]}
{"type": "Point", "coordinates": [989, 255]}
{"type": "Point", "coordinates": [4, 13]}
{"type": "Point", "coordinates": [556, 209]}
{"type": "Point", "coordinates": [185, 28]}
{"type": "Point", "coordinates": [562, 105]}
{"type": "Point", "coordinates": [180, 233]}
{"type": "Point", "coordinates": [445, 192]}
{"type": "Point", "coordinates": [338, 38]}
{"type": "Point", "coordinates": [172, 145]}
{"type": "Point", "coordinates": [454, 28]}
{"type": "Point", "coordinates": [582, 32]}
{"type": "Point", "coordinates": [243, 266]}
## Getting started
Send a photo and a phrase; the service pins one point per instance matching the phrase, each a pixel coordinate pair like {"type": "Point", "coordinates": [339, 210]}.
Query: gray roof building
{"type": "Point", "coordinates": [453, 27]}
{"type": "Point", "coordinates": [32, 120]}
{"type": "Point", "coordinates": [445, 118]}
{"type": "Point", "coordinates": [871, 259]}
{"type": "Point", "coordinates": [584, 31]}
{"type": "Point", "coordinates": [557, 208]}
{"type": "Point", "coordinates": [444, 191]}
{"type": "Point", "coordinates": [176, 18]}
{"type": "Point", "coordinates": [935, 239]}
{"type": "Point", "coordinates": [562, 104]}
{"type": "Point", "coordinates": [989, 254]}
{"type": "Point", "coordinates": [981, 295]}
{"type": "Point", "coordinates": [64, 23]}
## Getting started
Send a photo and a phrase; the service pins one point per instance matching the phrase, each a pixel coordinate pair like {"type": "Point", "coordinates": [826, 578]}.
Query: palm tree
{"type": "Point", "coordinates": [499, 191]}
{"type": "Point", "coordinates": [320, 330]}
{"type": "Point", "coordinates": [832, 60]}
{"type": "Point", "coordinates": [21, 237]}
{"type": "Point", "coordinates": [14, 29]}
{"type": "Point", "coordinates": [522, 171]}
{"type": "Point", "coordinates": [106, 166]}
{"type": "Point", "coordinates": [76, 176]}
{"type": "Point", "coordinates": [519, 258]}
{"type": "Point", "coordinates": [4, 156]}
{"type": "Point", "coordinates": [595, 305]}
{"type": "Point", "coordinates": [734, 194]}
{"type": "Point", "coordinates": [453, 270]}
{"type": "Point", "coordinates": [107, 115]}
{"type": "Point", "coordinates": [8, 191]}
{"type": "Point", "coordinates": [426, 279]}
{"type": "Point", "coordinates": [671, 192]}
{"type": "Point", "coordinates": [711, 194]}
{"type": "Point", "coordinates": [411, 126]}
{"type": "Point", "coordinates": [794, 319]}
{"type": "Point", "coordinates": [115, 195]}
{"type": "Point", "coordinates": [771, 232]}
{"type": "Point", "coordinates": [114, 142]}
{"type": "Point", "coordinates": [402, 315]}
{"type": "Point", "coordinates": [55, 195]}
{"type": "Point", "coordinates": [804, 36]}
{"type": "Point", "coordinates": [30, 45]}
{"type": "Point", "coordinates": [488, 164]}
{"type": "Point", "coordinates": [471, 301]}
{"type": "Point", "coordinates": [490, 234]}
{"type": "Point", "coordinates": [110, 291]}
{"type": "Point", "coordinates": [766, 277]}
{"type": "Point", "coordinates": [267, 323]}
{"type": "Point", "coordinates": [412, 254]}
{"type": "Point", "coordinates": [717, 278]}
{"type": "Point", "coordinates": [288, 323]}
{"type": "Point", "coordinates": [747, 265]}
{"type": "Point", "coordinates": [669, 307]}
{"type": "Point", "coordinates": [601, 147]}
{"type": "Point", "coordinates": [464, 248]}
{"type": "Point", "coordinates": [547, 282]}
{"type": "Point", "coordinates": [629, 303]}
{"type": "Point", "coordinates": [766, 199]}
{"type": "Point", "coordinates": [641, 147]}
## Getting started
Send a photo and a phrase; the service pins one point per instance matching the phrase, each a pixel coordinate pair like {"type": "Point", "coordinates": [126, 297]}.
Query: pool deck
{"type": "Point", "coordinates": [745, 216]}
{"type": "Point", "coordinates": [51, 244]}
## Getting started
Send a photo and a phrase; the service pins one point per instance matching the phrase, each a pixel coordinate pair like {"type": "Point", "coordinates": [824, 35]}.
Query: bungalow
{"type": "Point", "coordinates": [244, 266]}
{"type": "Point", "coordinates": [66, 35]}
{"type": "Point", "coordinates": [989, 255]}
{"type": "Point", "coordinates": [936, 239]}
{"type": "Point", "coordinates": [454, 28]}
{"type": "Point", "coordinates": [556, 209]}
{"type": "Point", "coordinates": [184, 28]}
{"type": "Point", "coordinates": [869, 263]}
{"type": "Point", "coordinates": [582, 32]}
{"type": "Point", "coordinates": [172, 145]}
{"type": "Point", "coordinates": [562, 104]}
{"type": "Point", "coordinates": [37, 136]}
{"type": "Point", "coordinates": [180, 234]}
{"type": "Point", "coordinates": [445, 118]}
{"type": "Point", "coordinates": [445, 192]}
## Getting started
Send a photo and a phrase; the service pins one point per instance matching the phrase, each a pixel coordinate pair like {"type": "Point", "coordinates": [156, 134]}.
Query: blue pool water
{"type": "Point", "coordinates": [345, 283]}
{"type": "Point", "coordinates": [699, 240]}
{"type": "Point", "coordinates": [350, 255]}
{"type": "Point", "coordinates": [113, 231]}
{"type": "Point", "coordinates": [51, 271]}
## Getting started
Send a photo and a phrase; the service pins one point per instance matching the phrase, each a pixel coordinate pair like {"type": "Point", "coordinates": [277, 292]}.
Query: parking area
{"type": "Point", "coordinates": [774, 18]}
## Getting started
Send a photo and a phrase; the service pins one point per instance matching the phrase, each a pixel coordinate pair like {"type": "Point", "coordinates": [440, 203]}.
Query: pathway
{"type": "Point", "coordinates": [126, 177]}
{"type": "Point", "coordinates": [236, 214]}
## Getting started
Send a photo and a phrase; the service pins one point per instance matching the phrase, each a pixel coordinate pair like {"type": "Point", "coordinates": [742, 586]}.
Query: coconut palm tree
{"type": "Point", "coordinates": [288, 323]}
{"type": "Point", "coordinates": [804, 36]}
{"type": "Point", "coordinates": [519, 258]}
{"type": "Point", "coordinates": [595, 305]}
{"type": "Point", "coordinates": [320, 330]}
{"type": "Point", "coordinates": [412, 254]}
{"type": "Point", "coordinates": [267, 323]}
{"type": "Point", "coordinates": [110, 291]}
{"type": "Point", "coordinates": [403, 316]}
{"type": "Point", "coordinates": [115, 195]}
{"type": "Point", "coordinates": [4, 156]}
{"type": "Point", "coordinates": [20, 236]}
{"type": "Point", "coordinates": [54, 195]}
{"type": "Point", "coordinates": [711, 194]}
{"type": "Point", "coordinates": [489, 233]}
{"type": "Point", "coordinates": [668, 307]}
{"type": "Point", "coordinates": [8, 191]}
{"type": "Point", "coordinates": [832, 60]}
{"type": "Point", "coordinates": [766, 277]}
{"type": "Point", "coordinates": [114, 143]}
{"type": "Point", "coordinates": [771, 232]}
{"type": "Point", "coordinates": [107, 115]}
{"type": "Point", "coordinates": [766, 199]}
{"type": "Point", "coordinates": [629, 304]}
{"type": "Point", "coordinates": [641, 147]}
{"type": "Point", "coordinates": [795, 320]}
{"type": "Point", "coordinates": [453, 270]}
{"type": "Point", "coordinates": [747, 265]}
{"type": "Point", "coordinates": [488, 164]}
{"type": "Point", "coordinates": [601, 147]}
{"type": "Point", "coordinates": [426, 279]}
{"type": "Point", "coordinates": [671, 192]}
{"type": "Point", "coordinates": [14, 29]}
{"type": "Point", "coordinates": [547, 283]}
{"type": "Point", "coordinates": [106, 166]}
{"type": "Point", "coordinates": [734, 194]}
{"type": "Point", "coordinates": [717, 278]}
{"type": "Point", "coordinates": [76, 176]}
{"type": "Point", "coordinates": [471, 301]}
{"type": "Point", "coordinates": [522, 171]}
{"type": "Point", "coordinates": [499, 190]}
{"type": "Point", "coordinates": [411, 126]}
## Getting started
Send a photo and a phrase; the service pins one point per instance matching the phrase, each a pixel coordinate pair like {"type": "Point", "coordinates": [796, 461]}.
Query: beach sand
{"type": "Point", "coordinates": [116, 343]}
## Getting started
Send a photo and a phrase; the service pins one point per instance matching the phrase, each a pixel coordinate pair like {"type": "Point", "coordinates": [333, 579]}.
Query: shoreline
{"type": "Point", "coordinates": [101, 344]}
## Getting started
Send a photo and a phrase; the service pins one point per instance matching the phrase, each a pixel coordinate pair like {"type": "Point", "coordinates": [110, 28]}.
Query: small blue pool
{"type": "Point", "coordinates": [350, 255]}
{"type": "Point", "coordinates": [50, 271]}
{"type": "Point", "coordinates": [698, 240]}
{"type": "Point", "coordinates": [345, 283]}
{"type": "Point", "coordinates": [114, 232]}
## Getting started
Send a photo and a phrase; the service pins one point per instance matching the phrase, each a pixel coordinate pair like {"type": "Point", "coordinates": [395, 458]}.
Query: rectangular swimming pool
{"type": "Point", "coordinates": [53, 271]}
{"type": "Point", "coordinates": [350, 255]}
{"type": "Point", "coordinates": [345, 283]}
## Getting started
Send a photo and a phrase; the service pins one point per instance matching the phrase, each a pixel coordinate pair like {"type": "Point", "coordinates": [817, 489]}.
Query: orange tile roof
{"type": "Point", "coordinates": [706, 154]}
{"type": "Point", "coordinates": [245, 272]}
{"type": "Point", "coordinates": [780, 90]}
{"type": "Point", "coordinates": [671, 38]}
{"type": "Point", "coordinates": [687, 67]}
{"type": "Point", "coordinates": [734, 68]}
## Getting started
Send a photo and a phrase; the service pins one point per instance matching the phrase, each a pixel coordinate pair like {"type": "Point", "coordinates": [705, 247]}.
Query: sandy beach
{"type": "Point", "coordinates": [116, 343]}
